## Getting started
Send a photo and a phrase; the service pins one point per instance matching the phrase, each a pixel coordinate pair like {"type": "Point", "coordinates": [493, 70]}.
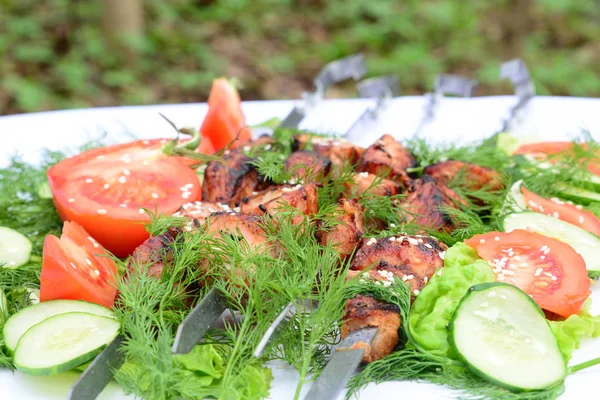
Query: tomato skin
{"type": "Point", "coordinates": [542, 150]}
{"type": "Point", "coordinates": [75, 267]}
{"type": "Point", "coordinates": [550, 271]}
{"type": "Point", "coordinates": [564, 211]}
{"type": "Point", "coordinates": [225, 119]}
{"type": "Point", "coordinates": [104, 190]}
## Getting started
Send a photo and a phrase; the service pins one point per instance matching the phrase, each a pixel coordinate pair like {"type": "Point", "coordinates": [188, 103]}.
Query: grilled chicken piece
{"type": "Point", "coordinates": [339, 151]}
{"type": "Point", "coordinates": [240, 226]}
{"type": "Point", "coordinates": [414, 259]}
{"type": "Point", "coordinates": [302, 197]}
{"type": "Point", "coordinates": [155, 253]}
{"type": "Point", "coordinates": [364, 312]}
{"type": "Point", "coordinates": [346, 235]}
{"type": "Point", "coordinates": [305, 166]}
{"type": "Point", "coordinates": [375, 185]}
{"type": "Point", "coordinates": [387, 158]}
{"type": "Point", "coordinates": [426, 202]}
{"type": "Point", "coordinates": [472, 176]}
{"type": "Point", "coordinates": [228, 182]}
{"type": "Point", "coordinates": [197, 212]}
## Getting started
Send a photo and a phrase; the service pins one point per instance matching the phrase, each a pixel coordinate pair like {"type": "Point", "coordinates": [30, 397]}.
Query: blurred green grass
{"type": "Point", "coordinates": [54, 55]}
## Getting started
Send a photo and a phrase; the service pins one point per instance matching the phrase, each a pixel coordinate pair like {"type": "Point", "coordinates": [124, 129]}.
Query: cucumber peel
{"type": "Point", "coordinates": [502, 335]}
{"type": "Point", "coordinates": [22, 321]}
{"type": "Point", "coordinates": [63, 342]}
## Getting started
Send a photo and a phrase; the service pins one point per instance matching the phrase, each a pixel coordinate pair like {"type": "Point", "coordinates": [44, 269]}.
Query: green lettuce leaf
{"type": "Point", "coordinates": [433, 308]}
{"type": "Point", "coordinates": [203, 359]}
{"type": "Point", "coordinates": [571, 331]}
{"type": "Point", "coordinates": [253, 383]}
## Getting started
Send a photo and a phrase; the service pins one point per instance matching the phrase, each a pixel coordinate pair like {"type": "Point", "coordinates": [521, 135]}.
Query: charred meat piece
{"type": "Point", "coordinates": [387, 158]}
{"type": "Point", "coordinates": [364, 312]}
{"type": "Point", "coordinates": [414, 259]}
{"type": "Point", "coordinates": [426, 203]}
{"type": "Point", "coordinates": [416, 255]}
{"type": "Point", "coordinates": [345, 235]}
{"type": "Point", "coordinates": [155, 253]}
{"type": "Point", "coordinates": [240, 226]}
{"type": "Point", "coordinates": [471, 176]}
{"type": "Point", "coordinates": [302, 197]}
{"type": "Point", "coordinates": [307, 165]}
{"type": "Point", "coordinates": [228, 182]}
{"type": "Point", "coordinates": [339, 151]}
{"type": "Point", "coordinates": [198, 212]}
{"type": "Point", "coordinates": [375, 185]}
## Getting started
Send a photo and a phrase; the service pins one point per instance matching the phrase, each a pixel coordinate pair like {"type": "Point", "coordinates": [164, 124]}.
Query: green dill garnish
{"type": "Point", "coordinates": [476, 153]}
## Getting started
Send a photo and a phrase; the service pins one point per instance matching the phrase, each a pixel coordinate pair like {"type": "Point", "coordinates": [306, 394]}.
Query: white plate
{"type": "Point", "coordinates": [548, 118]}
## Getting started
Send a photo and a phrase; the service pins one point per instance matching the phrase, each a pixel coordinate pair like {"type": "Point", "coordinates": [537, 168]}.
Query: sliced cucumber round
{"type": "Point", "coordinates": [3, 307]}
{"type": "Point", "coordinates": [15, 249]}
{"type": "Point", "coordinates": [19, 323]}
{"type": "Point", "coordinates": [585, 243]}
{"type": "Point", "coordinates": [503, 336]}
{"type": "Point", "coordinates": [515, 201]}
{"type": "Point", "coordinates": [63, 342]}
{"type": "Point", "coordinates": [578, 195]}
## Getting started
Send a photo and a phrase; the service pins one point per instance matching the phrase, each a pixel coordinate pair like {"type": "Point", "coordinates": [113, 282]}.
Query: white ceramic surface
{"type": "Point", "coordinates": [548, 118]}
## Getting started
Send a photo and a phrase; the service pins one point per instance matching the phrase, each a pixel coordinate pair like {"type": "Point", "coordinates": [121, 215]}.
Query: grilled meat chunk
{"type": "Point", "coordinates": [387, 158]}
{"type": "Point", "coordinates": [307, 165]}
{"type": "Point", "coordinates": [346, 235]}
{"type": "Point", "coordinates": [240, 226]}
{"type": "Point", "coordinates": [415, 255]}
{"type": "Point", "coordinates": [375, 185]}
{"type": "Point", "coordinates": [155, 253]}
{"type": "Point", "coordinates": [364, 312]}
{"type": "Point", "coordinates": [413, 259]}
{"type": "Point", "coordinates": [426, 202]}
{"type": "Point", "coordinates": [471, 176]}
{"type": "Point", "coordinates": [228, 182]}
{"type": "Point", "coordinates": [339, 151]}
{"type": "Point", "coordinates": [302, 197]}
{"type": "Point", "coordinates": [198, 212]}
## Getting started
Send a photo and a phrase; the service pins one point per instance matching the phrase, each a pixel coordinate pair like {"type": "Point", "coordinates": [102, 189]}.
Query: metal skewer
{"type": "Point", "coordinates": [517, 72]}
{"type": "Point", "coordinates": [351, 67]}
{"type": "Point", "coordinates": [444, 84]}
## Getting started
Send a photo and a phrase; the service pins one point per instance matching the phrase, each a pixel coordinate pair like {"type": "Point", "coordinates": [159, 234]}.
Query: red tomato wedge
{"type": "Point", "coordinates": [75, 267]}
{"type": "Point", "coordinates": [550, 271]}
{"type": "Point", "coordinates": [105, 190]}
{"type": "Point", "coordinates": [544, 149]}
{"type": "Point", "coordinates": [225, 119]}
{"type": "Point", "coordinates": [570, 213]}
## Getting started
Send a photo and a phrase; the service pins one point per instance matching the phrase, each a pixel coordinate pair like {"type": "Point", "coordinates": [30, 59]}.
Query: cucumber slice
{"type": "Point", "coordinates": [592, 182]}
{"type": "Point", "coordinates": [63, 342]}
{"type": "Point", "coordinates": [503, 336]}
{"type": "Point", "coordinates": [578, 195]}
{"type": "Point", "coordinates": [585, 243]}
{"type": "Point", "coordinates": [3, 307]}
{"type": "Point", "coordinates": [515, 201]}
{"type": "Point", "coordinates": [15, 249]}
{"type": "Point", "coordinates": [19, 323]}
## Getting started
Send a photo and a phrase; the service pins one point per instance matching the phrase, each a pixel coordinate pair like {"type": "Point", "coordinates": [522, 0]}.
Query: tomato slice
{"type": "Point", "coordinates": [568, 212]}
{"type": "Point", "coordinates": [544, 149]}
{"type": "Point", "coordinates": [105, 190]}
{"type": "Point", "coordinates": [225, 119]}
{"type": "Point", "coordinates": [76, 267]}
{"type": "Point", "coordinates": [550, 271]}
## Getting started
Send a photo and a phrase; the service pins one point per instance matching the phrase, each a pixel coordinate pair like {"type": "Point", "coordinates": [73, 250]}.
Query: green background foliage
{"type": "Point", "coordinates": [54, 53]}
